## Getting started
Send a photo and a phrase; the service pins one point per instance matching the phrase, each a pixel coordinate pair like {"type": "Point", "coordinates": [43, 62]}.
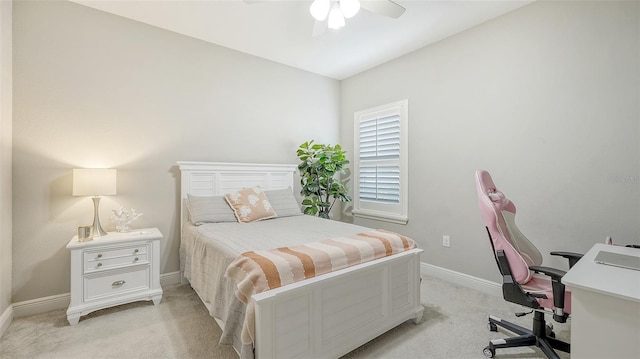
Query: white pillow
{"type": "Point", "coordinates": [209, 209]}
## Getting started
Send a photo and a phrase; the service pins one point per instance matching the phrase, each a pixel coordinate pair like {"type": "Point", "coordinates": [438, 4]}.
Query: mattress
{"type": "Point", "coordinates": [207, 250]}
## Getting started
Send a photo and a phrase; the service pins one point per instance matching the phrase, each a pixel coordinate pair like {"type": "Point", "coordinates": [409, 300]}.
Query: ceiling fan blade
{"type": "Point", "coordinates": [319, 28]}
{"type": "Point", "coordinates": [383, 7]}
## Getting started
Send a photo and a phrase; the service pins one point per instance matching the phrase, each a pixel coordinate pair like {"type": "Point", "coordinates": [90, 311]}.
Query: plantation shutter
{"type": "Point", "coordinates": [379, 168]}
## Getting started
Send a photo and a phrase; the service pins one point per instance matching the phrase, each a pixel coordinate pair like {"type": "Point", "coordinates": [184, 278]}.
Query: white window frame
{"type": "Point", "coordinates": [395, 213]}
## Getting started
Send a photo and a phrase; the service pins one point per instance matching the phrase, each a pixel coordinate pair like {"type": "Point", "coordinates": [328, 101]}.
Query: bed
{"type": "Point", "coordinates": [322, 317]}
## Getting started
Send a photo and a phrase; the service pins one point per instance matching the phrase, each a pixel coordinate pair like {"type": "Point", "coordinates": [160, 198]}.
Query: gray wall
{"type": "Point", "coordinates": [5, 155]}
{"type": "Point", "coordinates": [94, 89]}
{"type": "Point", "coordinates": [546, 99]}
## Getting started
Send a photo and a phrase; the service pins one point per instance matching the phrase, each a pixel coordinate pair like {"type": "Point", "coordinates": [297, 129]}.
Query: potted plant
{"type": "Point", "coordinates": [318, 167]}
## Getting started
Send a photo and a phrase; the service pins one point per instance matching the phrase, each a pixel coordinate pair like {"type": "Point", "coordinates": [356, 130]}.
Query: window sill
{"type": "Point", "coordinates": [380, 216]}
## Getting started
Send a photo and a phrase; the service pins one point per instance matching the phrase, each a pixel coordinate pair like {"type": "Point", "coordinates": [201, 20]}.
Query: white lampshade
{"type": "Point", "coordinates": [336, 20]}
{"type": "Point", "coordinates": [94, 182]}
{"type": "Point", "coordinates": [349, 7]}
{"type": "Point", "coordinates": [319, 9]}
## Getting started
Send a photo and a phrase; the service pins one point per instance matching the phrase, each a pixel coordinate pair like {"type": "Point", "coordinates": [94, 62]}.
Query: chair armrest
{"type": "Point", "coordinates": [558, 290]}
{"type": "Point", "coordinates": [572, 257]}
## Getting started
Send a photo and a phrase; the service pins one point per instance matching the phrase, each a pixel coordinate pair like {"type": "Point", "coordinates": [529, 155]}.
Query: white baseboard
{"type": "Point", "coordinates": [40, 305]}
{"type": "Point", "coordinates": [61, 301]}
{"type": "Point", "coordinates": [465, 280]}
{"type": "Point", "coordinates": [5, 319]}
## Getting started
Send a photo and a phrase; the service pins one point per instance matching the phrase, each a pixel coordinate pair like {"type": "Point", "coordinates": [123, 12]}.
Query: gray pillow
{"type": "Point", "coordinates": [209, 209]}
{"type": "Point", "coordinates": [283, 202]}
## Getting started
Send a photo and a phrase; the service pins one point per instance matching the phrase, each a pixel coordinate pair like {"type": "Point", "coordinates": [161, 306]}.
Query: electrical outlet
{"type": "Point", "coordinates": [445, 241]}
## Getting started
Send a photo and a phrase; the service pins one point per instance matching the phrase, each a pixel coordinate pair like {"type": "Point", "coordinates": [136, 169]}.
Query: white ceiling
{"type": "Point", "coordinates": [280, 30]}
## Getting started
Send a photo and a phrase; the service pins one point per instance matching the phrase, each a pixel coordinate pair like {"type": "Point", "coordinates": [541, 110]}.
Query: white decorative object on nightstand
{"type": "Point", "coordinates": [114, 269]}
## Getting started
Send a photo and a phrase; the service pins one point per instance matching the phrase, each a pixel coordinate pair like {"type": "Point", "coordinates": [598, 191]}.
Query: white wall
{"type": "Point", "coordinates": [5, 162]}
{"type": "Point", "coordinates": [94, 89]}
{"type": "Point", "coordinates": [546, 99]}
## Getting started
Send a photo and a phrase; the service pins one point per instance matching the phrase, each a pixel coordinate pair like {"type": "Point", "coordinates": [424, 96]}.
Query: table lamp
{"type": "Point", "coordinates": [95, 182]}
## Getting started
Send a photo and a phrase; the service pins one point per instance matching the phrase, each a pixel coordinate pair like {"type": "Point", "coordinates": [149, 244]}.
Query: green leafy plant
{"type": "Point", "coordinates": [318, 168]}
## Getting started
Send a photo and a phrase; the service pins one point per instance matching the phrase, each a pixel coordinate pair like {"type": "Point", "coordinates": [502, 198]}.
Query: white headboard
{"type": "Point", "coordinates": [218, 178]}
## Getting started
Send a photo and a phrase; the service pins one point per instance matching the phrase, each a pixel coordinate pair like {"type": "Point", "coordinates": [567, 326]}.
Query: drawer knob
{"type": "Point", "coordinates": [136, 251]}
{"type": "Point", "coordinates": [136, 259]}
{"type": "Point", "coordinates": [99, 264]}
{"type": "Point", "coordinates": [99, 256]}
{"type": "Point", "coordinates": [118, 283]}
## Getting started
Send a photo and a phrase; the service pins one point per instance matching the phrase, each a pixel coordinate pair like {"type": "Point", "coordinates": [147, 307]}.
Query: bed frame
{"type": "Point", "coordinates": [326, 316]}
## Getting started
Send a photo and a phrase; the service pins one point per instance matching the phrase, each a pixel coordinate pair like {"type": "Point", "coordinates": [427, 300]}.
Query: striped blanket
{"type": "Point", "coordinates": [259, 271]}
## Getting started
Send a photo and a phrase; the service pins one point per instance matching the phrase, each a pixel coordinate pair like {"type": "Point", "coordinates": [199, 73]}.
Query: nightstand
{"type": "Point", "coordinates": [114, 269]}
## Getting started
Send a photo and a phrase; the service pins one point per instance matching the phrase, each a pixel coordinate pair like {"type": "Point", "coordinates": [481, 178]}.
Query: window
{"type": "Point", "coordinates": [380, 157]}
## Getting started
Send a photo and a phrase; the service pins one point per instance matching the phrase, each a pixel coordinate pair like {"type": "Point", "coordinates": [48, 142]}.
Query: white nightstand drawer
{"type": "Point", "coordinates": [102, 259]}
{"type": "Point", "coordinates": [101, 286]}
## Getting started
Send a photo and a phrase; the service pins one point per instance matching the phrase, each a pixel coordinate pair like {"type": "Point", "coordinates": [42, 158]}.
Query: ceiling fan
{"type": "Point", "coordinates": [337, 10]}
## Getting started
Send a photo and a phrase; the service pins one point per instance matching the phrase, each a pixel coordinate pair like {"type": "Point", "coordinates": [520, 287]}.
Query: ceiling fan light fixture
{"type": "Point", "coordinates": [320, 9]}
{"type": "Point", "coordinates": [349, 7]}
{"type": "Point", "coordinates": [336, 19]}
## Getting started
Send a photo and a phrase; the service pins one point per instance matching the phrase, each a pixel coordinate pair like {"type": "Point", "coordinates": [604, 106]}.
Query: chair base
{"type": "Point", "coordinates": [541, 336]}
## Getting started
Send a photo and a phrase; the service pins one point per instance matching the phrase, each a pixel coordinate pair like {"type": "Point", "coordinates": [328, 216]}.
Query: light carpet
{"type": "Point", "coordinates": [454, 326]}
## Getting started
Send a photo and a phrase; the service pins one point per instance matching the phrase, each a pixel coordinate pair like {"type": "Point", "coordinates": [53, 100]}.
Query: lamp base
{"type": "Point", "coordinates": [96, 228]}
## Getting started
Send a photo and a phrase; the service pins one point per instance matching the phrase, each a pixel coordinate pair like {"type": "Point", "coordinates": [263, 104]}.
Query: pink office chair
{"type": "Point", "coordinates": [518, 260]}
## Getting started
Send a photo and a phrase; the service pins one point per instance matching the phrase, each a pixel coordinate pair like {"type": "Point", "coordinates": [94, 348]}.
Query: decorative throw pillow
{"type": "Point", "coordinates": [284, 202]}
{"type": "Point", "coordinates": [250, 204]}
{"type": "Point", "coordinates": [209, 209]}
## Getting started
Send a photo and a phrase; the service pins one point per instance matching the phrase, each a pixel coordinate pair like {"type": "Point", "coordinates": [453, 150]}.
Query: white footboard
{"type": "Point", "coordinates": [330, 315]}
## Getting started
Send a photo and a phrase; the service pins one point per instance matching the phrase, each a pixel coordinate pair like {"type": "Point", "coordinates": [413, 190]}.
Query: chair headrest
{"type": "Point", "coordinates": [487, 189]}
{"type": "Point", "coordinates": [499, 200]}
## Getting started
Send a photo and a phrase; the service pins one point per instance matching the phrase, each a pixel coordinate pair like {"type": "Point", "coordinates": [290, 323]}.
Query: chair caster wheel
{"type": "Point", "coordinates": [489, 352]}
{"type": "Point", "coordinates": [492, 327]}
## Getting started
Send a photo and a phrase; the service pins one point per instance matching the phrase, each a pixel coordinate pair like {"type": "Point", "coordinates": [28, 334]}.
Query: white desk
{"type": "Point", "coordinates": [605, 302]}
